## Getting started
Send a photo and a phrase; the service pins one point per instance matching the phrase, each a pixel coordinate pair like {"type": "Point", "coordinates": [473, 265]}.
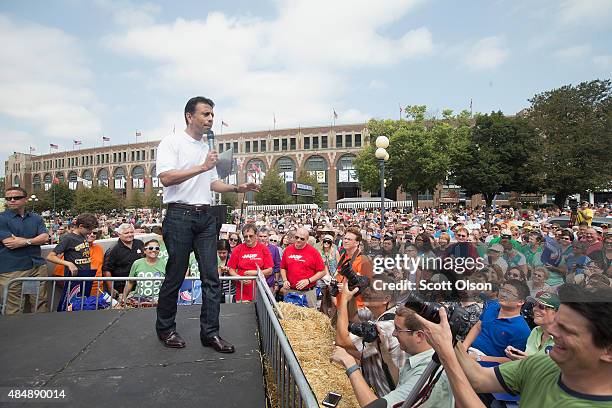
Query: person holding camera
{"type": "Point", "coordinates": [576, 372]}
{"type": "Point", "coordinates": [371, 339]}
{"type": "Point", "coordinates": [408, 331]}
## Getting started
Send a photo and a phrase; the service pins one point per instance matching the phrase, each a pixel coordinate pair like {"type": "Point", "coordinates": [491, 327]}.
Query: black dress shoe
{"type": "Point", "coordinates": [218, 344]}
{"type": "Point", "coordinates": [172, 340]}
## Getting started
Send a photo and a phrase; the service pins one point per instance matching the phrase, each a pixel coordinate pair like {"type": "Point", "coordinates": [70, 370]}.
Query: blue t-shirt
{"type": "Point", "coordinates": [498, 333]}
{"type": "Point", "coordinates": [29, 226]}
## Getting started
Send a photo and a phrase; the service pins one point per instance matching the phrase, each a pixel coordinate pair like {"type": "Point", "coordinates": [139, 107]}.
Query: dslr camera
{"type": "Point", "coordinates": [458, 318]}
{"type": "Point", "coordinates": [367, 330]}
{"type": "Point", "coordinates": [351, 277]}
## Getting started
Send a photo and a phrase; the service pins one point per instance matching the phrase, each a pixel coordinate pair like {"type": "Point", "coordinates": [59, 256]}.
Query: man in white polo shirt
{"type": "Point", "coordinates": [186, 168]}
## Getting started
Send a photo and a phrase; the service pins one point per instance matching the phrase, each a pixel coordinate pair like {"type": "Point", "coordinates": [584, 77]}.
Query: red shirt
{"type": "Point", "coordinates": [244, 258]}
{"type": "Point", "coordinates": [301, 264]}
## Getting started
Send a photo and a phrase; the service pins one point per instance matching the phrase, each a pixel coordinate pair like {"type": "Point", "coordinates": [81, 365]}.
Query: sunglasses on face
{"type": "Point", "coordinates": [273, 240]}
{"type": "Point", "coordinates": [16, 198]}
{"type": "Point", "coordinates": [300, 238]}
{"type": "Point", "coordinates": [233, 239]}
{"type": "Point", "coordinates": [327, 241]}
{"type": "Point", "coordinates": [152, 248]}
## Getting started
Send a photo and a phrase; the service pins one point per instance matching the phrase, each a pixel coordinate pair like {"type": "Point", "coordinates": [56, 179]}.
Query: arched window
{"type": "Point", "coordinates": [286, 168]}
{"type": "Point", "coordinates": [16, 181]}
{"type": "Point", "coordinates": [346, 169]}
{"type": "Point", "coordinates": [317, 167]}
{"type": "Point", "coordinates": [87, 178]}
{"type": "Point", "coordinates": [48, 180]}
{"type": "Point", "coordinates": [36, 182]}
{"type": "Point", "coordinates": [119, 178]}
{"type": "Point", "coordinates": [138, 180]}
{"type": "Point", "coordinates": [103, 178]}
{"type": "Point", "coordinates": [72, 180]}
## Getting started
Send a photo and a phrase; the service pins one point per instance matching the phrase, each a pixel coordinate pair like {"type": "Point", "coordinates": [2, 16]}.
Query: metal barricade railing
{"type": "Point", "coordinates": [292, 388]}
{"type": "Point", "coordinates": [72, 279]}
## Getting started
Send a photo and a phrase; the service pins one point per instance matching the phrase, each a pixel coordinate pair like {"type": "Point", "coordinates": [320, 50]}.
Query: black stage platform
{"type": "Point", "coordinates": [113, 359]}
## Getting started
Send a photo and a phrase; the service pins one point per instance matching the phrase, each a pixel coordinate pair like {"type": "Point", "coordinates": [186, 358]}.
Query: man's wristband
{"type": "Point", "coordinates": [235, 189]}
{"type": "Point", "coordinates": [352, 369]}
{"type": "Point", "coordinates": [309, 281]}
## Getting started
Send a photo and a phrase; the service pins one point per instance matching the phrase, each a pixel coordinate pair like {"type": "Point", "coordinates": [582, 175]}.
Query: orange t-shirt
{"type": "Point", "coordinates": [96, 252]}
{"type": "Point", "coordinates": [362, 266]}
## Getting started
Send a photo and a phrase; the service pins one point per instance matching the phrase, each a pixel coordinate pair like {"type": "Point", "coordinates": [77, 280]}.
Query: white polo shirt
{"type": "Point", "coordinates": [179, 152]}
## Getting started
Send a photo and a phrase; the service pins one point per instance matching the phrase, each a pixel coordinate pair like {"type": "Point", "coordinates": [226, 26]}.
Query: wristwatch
{"type": "Point", "coordinates": [28, 242]}
{"type": "Point", "coordinates": [235, 189]}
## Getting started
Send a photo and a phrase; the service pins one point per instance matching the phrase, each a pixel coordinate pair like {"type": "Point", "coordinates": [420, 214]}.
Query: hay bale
{"type": "Point", "coordinates": [311, 336]}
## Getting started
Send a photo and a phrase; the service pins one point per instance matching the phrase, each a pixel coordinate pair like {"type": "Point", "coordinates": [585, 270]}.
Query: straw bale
{"type": "Point", "coordinates": [311, 336]}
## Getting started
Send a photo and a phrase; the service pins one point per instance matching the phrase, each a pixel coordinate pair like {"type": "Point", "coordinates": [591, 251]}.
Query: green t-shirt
{"type": "Point", "coordinates": [534, 342]}
{"type": "Point", "coordinates": [538, 381]}
{"type": "Point", "coordinates": [140, 268]}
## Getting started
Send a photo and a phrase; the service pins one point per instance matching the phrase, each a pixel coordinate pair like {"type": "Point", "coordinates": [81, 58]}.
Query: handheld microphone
{"type": "Point", "coordinates": [210, 135]}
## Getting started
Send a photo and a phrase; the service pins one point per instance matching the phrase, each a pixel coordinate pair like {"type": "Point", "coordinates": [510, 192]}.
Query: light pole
{"type": "Point", "coordinates": [382, 142]}
{"type": "Point", "coordinates": [160, 194]}
{"type": "Point", "coordinates": [33, 199]}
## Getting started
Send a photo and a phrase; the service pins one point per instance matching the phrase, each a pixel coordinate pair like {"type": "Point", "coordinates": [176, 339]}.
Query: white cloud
{"type": "Point", "coordinates": [577, 51]}
{"type": "Point", "coordinates": [294, 65]}
{"type": "Point", "coordinates": [43, 78]}
{"type": "Point", "coordinates": [603, 61]}
{"type": "Point", "coordinates": [487, 53]}
{"type": "Point", "coordinates": [377, 84]}
{"type": "Point", "coordinates": [585, 12]}
{"type": "Point", "coordinates": [130, 14]}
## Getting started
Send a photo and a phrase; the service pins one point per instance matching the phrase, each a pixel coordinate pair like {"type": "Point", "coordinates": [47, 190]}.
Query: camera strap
{"type": "Point", "coordinates": [388, 315]}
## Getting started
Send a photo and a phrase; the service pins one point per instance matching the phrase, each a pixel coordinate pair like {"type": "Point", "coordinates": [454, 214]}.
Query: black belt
{"type": "Point", "coordinates": [190, 207]}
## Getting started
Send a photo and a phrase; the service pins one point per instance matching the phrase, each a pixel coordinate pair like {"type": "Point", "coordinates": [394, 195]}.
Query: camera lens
{"type": "Point", "coordinates": [427, 310]}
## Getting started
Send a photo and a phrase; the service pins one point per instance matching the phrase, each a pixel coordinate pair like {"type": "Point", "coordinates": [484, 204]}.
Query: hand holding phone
{"type": "Point", "coordinates": [331, 400]}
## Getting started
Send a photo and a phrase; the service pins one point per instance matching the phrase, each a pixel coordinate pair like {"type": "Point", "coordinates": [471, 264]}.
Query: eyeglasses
{"type": "Point", "coordinates": [566, 238]}
{"type": "Point", "coordinates": [16, 198]}
{"type": "Point", "coordinates": [273, 240]}
{"type": "Point", "coordinates": [152, 248]}
{"type": "Point", "coordinates": [460, 236]}
{"type": "Point", "coordinates": [396, 330]}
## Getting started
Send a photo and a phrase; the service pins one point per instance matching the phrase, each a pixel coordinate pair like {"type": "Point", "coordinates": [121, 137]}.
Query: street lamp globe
{"type": "Point", "coordinates": [386, 158]}
{"type": "Point", "coordinates": [381, 153]}
{"type": "Point", "coordinates": [382, 141]}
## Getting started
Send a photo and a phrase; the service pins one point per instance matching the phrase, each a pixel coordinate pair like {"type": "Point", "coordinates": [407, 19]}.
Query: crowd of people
{"type": "Point", "coordinates": [307, 258]}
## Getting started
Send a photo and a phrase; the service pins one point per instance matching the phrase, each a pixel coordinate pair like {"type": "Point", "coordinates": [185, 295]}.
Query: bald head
{"type": "Point", "coordinates": [301, 238]}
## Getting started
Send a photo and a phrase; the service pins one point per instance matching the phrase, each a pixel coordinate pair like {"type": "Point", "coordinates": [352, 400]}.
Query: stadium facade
{"type": "Point", "coordinates": [326, 152]}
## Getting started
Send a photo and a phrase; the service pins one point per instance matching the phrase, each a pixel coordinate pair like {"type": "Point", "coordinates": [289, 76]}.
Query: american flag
{"type": "Point", "coordinates": [53, 146]}
{"type": "Point", "coordinates": [105, 139]}
{"type": "Point", "coordinates": [138, 134]}
{"type": "Point", "coordinates": [335, 114]}
{"type": "Point", "coordinates": [77, 142]}
{"type": "Point", "coordinates": [224, 123]}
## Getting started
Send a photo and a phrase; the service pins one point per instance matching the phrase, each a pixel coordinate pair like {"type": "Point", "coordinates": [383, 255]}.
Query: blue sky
{"type": "Point", "coordinates": [75, 69]}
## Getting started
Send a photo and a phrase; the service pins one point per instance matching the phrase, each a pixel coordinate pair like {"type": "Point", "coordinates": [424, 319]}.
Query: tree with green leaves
{"type": "Point", "coordinates": [272, 190]}
{"type": "Point", "coordinates": [574, 125]}
{"type": "Point", "coordinates": [96, 199]}
{"type": "Point", "coordinates": [58, 197]}
{"type": "Point", "coordinates": [230, 199]}
{"type": "Point", "coordinates": [152, 201]}
{"type": "Point", "coordinates": [136, 200]}
{"type": "Point", "coordinates": [495, 157]}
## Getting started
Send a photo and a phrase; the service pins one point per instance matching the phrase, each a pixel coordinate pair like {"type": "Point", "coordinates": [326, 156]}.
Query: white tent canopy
{"type": "Point", "coordinates": [287, 207]}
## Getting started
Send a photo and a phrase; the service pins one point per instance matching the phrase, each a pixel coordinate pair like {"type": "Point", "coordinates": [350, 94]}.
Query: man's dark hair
{"type": "Point", "coordinates": [520, 286]}
{"type": "Point", "coordinates": [595, 305]}
{"type": "Point", "coordinates": [410, 320]}
{"type": "Point", "coordinates": [17, 188]}
{"type": "Point", "coordinates": [249, 227]}
{"type": "Point", "coordinates": [87, 220]}
{"type": "Point", "coordinates": [191, 105]}
{"type": "Point", "coordinates": [355, 231]}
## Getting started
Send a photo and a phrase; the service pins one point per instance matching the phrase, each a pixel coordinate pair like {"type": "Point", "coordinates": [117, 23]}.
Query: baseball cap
{"type": "Point", "coordinates": [505, 233]}
{"type": "Point", "coordinates": [376, 235]}
{"type": "Point", "coordinates": [547, 299]}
